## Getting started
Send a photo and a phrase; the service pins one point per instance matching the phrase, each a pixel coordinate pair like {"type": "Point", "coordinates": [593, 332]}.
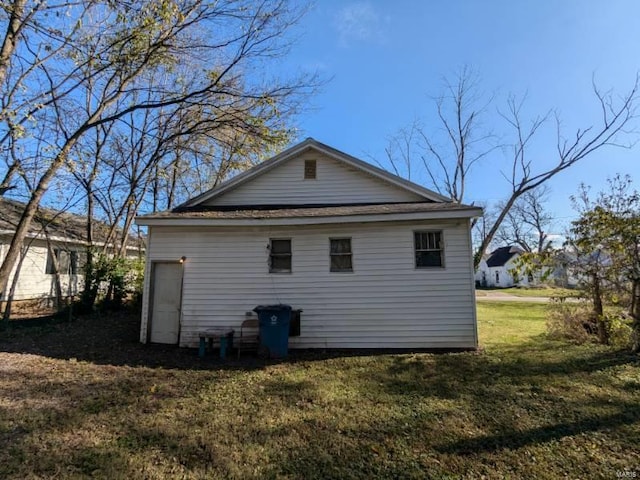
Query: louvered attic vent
{"type": "Point", "coordinates": [309, 169]}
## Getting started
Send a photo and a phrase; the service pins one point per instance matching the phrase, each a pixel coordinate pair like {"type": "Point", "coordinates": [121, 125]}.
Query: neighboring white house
{"type": "Point", "coordinates": [495, 269]}
{"type": "Point", "coordinates": [481, 273]}
{"type": "Point", "coordinates": [66, 234]}
{"type": "Point", "coordinates": [374, 261]}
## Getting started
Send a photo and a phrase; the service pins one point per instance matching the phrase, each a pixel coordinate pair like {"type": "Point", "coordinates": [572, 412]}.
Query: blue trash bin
{"type": "Point", "coordinates": [274, 328]}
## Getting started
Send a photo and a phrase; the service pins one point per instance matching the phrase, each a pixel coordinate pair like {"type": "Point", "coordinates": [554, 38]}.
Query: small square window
{"type": "Point", "coordinates": [280, 255]}
{"type": "Point", "coordinates": [428, 249]}
{"type": "Point", "coordinates": [309, 169]}
{"type": "Point", "coordinates": [341, 255]}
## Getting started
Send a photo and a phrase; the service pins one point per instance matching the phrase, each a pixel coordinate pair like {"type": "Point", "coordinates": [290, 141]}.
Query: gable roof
{"type": "Point", "coordinates": [69, 227]}
{"type": "Point", "coordinates": [500, 256]}
{"type": "Point", "coordinates": [310, 143]}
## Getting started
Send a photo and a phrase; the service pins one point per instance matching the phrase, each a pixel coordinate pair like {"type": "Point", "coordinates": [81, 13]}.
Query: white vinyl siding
{"type": "Point", "coordinates": [385, 302]}
{"type": "Point", "coordinates": [33, 281]}
{"type": "Point", "coordinates": [335, 183]}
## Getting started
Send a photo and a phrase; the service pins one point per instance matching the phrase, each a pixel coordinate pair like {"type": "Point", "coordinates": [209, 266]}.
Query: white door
{"type": "Point", "coordinates": [165, 309]}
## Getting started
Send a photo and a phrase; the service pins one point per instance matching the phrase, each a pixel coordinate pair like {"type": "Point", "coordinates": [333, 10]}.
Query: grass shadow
{"type": "Point", "coordinates": [110, 339]}
{"type": "Point", "coordinates": [515, 439]}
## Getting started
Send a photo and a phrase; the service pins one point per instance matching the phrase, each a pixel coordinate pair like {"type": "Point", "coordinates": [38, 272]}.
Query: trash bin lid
{"type": "Point", "coordinates": [272, 307]}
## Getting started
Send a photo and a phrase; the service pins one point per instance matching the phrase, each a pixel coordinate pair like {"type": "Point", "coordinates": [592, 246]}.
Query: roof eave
{"type": "Point", "coordinates": [180, 221]}
{"type": "Point", "coordinates": [66, 240]}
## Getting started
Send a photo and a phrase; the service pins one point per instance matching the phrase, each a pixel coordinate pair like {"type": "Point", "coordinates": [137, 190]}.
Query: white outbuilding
{"type": "Point", "coordinates": [374, 261]}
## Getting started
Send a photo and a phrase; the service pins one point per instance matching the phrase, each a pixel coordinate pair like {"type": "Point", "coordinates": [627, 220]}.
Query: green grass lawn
{"type": "Point", "coordinates": [85, 400]}
{"type": "Point", "coordinates": [531, 292]}
{"type": "Point", "coordinates": [504, 324]}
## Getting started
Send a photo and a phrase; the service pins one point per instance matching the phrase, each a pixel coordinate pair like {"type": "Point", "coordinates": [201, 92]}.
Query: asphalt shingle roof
{"type": "Point", "coordinates": [500, 256]}
{"type": "Point", "coordinates": [70, 226]}
{"type": "Point", "coordinates": [301, 211]}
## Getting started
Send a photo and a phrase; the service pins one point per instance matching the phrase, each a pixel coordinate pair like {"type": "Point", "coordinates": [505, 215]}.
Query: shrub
{"type": "Point", "coordinates": [135, 283]}
{"type": "Point", "coordinates": [571, 321]}
{"type": "Point", "coordinates": [112, 281]}
{"type": "Point", "coordinates": [619, 327]}
{"type": "Point", "coordinates": [575, 322]}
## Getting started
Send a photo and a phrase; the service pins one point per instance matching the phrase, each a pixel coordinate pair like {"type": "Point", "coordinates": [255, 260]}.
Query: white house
{"type": "Point", "coordinates": [481, 273]}
{"type": "Point", "coordinates": [495, 269]}
{"type": "Point", "coordinates": [67, 237]}
{"type": "Point", "coordinates": [372, 259]}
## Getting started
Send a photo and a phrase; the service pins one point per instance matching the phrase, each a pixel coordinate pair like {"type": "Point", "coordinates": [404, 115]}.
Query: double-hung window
{"type": "Point", "coordinates": [67, 262]}
{"type": "Point", "coordinates": [280, 255]}
{"type": "Point", "coordinates": [341, 255]}
{"type": "Point", "coordinates": [429, 249]}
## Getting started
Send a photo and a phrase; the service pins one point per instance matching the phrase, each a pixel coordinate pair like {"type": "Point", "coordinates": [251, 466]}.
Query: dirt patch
{"type": "Point", "coordinates": [103, 338]}
{"type": "Point", "coordinates": [33, 308]}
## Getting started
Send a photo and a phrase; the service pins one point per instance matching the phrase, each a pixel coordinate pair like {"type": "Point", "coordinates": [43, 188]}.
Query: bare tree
{"type": "Point", "coordinates": [528, 222]}
{"type": "Point", "coordinates": [192, 53]}
{"type": "Point", "coordinates": [459, 115]}
{"type": "Point", "coordinates": [481, 226]}
{"type": "Point", "coordinates": [524, 177]}
{"type": "Point", "coordinates": [37, 33]}
{"type": "Point", "coordinates": [459, 111]}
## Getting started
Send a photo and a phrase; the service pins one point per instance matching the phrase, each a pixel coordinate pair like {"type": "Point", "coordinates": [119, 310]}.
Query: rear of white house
{"type": "Point", "coordinates": [372, 260]}
{"type": "Point", "coordinates": [36, 279]}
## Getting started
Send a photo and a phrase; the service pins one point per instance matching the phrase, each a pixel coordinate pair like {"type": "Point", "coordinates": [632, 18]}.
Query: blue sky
{"type": "Point", "coordinates": [386, 58]}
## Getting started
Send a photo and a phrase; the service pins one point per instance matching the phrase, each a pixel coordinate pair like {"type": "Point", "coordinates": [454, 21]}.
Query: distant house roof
{"type": "Point", "coordinates": [65, 226]}
{"type": "Point", "coordinates": [500, 256]}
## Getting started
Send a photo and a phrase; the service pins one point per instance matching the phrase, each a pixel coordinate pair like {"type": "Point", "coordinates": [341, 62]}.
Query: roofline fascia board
{"type": "Point", "coordinates": [361, 165]}
{"type": "Point", "coordinates": [365, 218]}
{"type": "Point", "coordinates": [84, 243]}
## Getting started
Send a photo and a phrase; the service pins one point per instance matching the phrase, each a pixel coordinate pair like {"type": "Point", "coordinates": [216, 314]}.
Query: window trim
{"type": "Point", "coordinates": [341, 254]}
{"type": "Point", "coordinates": [72, 257]}
{"type": "Point", "coordinates": [441, 250]}
{"type": "Point", "coordinates": [270, 256]}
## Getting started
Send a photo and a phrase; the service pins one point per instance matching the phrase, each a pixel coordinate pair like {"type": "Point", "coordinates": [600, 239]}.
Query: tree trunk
{"type": "Point", "coordinates": [155, 190]}
{"type": "Point", "coordinates": [88, 267]}
{"type": "Point", "coordinates": [56, 272]}
{"type": "Point", "coordinates": [598, 311]}
{"type": "Point", "coordinates": [32, 207]}
{"type": "Point", "coordinates": [477, 258]}
{"type": "Point", "coordinates": [172, 186]}
{"type": "Point", "coordinates": [10, 41]}
{"type": "Point", "coordinates": [23, 226]}
{"type": "Point", "coordinates": [635, 314]}
{"type": "Point", "coordinates": [6, 316]}
{"type": "Point", "coordinates": [5, 185]}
